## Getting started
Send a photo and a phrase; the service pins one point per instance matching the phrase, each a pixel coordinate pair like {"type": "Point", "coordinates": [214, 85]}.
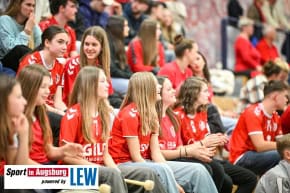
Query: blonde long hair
{"type": "Point", "coordinates": [7, 84]}
{"type": "Point", "coordinates": [143, 92]}
{"type": "Point", "coordinates": [104, 56]}
{"type": "Point", "coordinates": [85, 92]}
{"type": "Point", "coordinates": [31, 78]}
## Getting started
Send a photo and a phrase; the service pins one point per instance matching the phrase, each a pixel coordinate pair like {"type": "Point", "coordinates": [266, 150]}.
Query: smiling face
{"type": "Point", "coordinates": [92, 47]}
{"type": "Point", "coordinates": [168, 93]}
{"type": "Point", "coordinates": [43, 91]}
{"type": "Point", "coordinates": [16, 102]}
{"type": "Point", "coordinates": [103, 86]}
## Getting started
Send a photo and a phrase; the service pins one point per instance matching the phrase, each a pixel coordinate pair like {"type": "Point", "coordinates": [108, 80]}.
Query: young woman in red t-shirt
{"type": "Point", "coordinates": [191, 107]}
{"type": "Point", "coordinates": [135, 139]}
{"type": "Point", "coordinates": [94, 51]}
{"type": "Point", "coordinates": [13, 123]}
{"type": "Point", "coordinates": [145, 52]}
{"type": "Point", "coordinates": [35, 82]}
{"type": "Point", "coordinates": [87, 122]}
{"type": "Point", "coordinates": [49, 54]}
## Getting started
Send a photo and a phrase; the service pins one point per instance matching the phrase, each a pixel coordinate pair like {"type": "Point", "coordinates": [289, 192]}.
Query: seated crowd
{"type": "Point", "coordinates": [77, 63]}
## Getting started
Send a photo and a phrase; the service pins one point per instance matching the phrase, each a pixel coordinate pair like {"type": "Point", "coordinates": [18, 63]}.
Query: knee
{"type": "Point", "coordinates": [148, 174]}
{"type": "Point", "coordinates": [104, 171]}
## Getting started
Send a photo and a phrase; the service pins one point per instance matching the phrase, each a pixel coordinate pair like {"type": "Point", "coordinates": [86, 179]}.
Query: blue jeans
{"type": "Point", "coordinates": [193, 177]}
{"type": "Point", "coordinates": [120, 85]}
{"type": "Point", "coordinates": [162, 170]}
{"type": "Point", "coordinates": [259, 162]}
{"type": "Point", "coordinates": [229, 124]}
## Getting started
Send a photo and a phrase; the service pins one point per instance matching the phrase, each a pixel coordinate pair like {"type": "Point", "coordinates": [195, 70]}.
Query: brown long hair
{"type": "Point", "coordinates": [147, 35]}
{"type": "Point", "coordinates": [7, 83]}
{"type": "Point", "coordinates": [31, 78]}
{"type": "Point", "coordinates": [13, 8]}
{"type": "Point", "coordinates": [115, 30]}
{"type": "Point", "coordinates": [85, 92]}
{"type": "Point", "coordinates": [143, 92]}
{"type": "Point", "coordinates": [169, 111]}
{"type": "Point", "coordinates": [189, 93]}
{"type": "Point", "coordinates": [104, 56]}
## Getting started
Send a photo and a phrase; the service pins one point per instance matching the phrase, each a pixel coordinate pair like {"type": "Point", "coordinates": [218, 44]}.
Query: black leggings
{"type": "Point", "coordinates": [245, 179]}
{"type": "Point", "coordinates": [222, 182]}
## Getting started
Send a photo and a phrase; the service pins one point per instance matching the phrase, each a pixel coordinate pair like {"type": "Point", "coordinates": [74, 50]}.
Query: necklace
{"type": "Point", "coordinates": [47, 66]}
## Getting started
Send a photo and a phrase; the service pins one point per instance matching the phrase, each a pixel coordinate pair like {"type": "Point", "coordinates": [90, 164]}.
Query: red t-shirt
{"type": "Point", "coordinates": [193, 127]}
{"type": "Point", "coordinates": [127, 124]}
{"type": "Point", "coordinates": [70, 73]}
{"type": "Point", "coordinates": [170, 139]}
{"type": "Point", "coordinates": [71, 131]}
{"type": "Point", "coordinates": [135, 56]}
{"type": "Point", "coordinates": [266, 51]}
{"type": "Point", "coordinates": [285, 121]}
{"type": "Point", "coordinates": [254, 120]}
{"type": "Point", "coordinates": [71, 46]}
{"type": "Point", "coordinates": [247, 56]}
{"type": "Point", "coordinates": [56, 73]}
{"type": "Point", "coordinates": [172, 71]}
{"type": "Point", "coordinates": [37, 151]}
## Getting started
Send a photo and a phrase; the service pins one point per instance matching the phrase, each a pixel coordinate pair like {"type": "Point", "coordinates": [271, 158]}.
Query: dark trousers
{"type": "Point", "coordinates": [54, 120]}
{"type": "Point", "coordinates": [286, 47]}
{"type": "Point", "coordinates": [216, 170]}
{"type": "Point", "coordinates": [13, 57]}
{"type": "Point", "coordinates": [245, 179]}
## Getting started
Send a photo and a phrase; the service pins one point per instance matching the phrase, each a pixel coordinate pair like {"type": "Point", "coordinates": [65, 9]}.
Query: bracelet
{"type": "Point", "coordinates": [185, 152]}
{"type": "Point", "coordinates": [201, 143]}
{"type": "Point", "coordinates": [180, 153]}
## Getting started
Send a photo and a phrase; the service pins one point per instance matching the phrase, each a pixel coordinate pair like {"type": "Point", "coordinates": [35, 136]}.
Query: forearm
{"type": "Point", "coordinates": [55, 153]}
{"type": "Point", "coordinates": [266, 146]}
{"type": "Point", "coordinates": [173, 154]}
{"type": "Point", "coordinates": [22, 156]}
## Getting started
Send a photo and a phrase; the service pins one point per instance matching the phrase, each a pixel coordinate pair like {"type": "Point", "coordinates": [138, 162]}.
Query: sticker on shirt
{"type": "Point", "coordinates": [133, 112]}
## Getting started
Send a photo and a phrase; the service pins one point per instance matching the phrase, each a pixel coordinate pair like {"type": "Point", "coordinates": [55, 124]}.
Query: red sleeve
{"type": "Point", "coordinates": [43, 25]}
{"type": "Point", "coordinates": [69, 75]}
{"type": "Point", "coordinates": [285, 121]}
{"type": "Point", "coordinates": [166, 71]}
{"type": "Point", "coordinates": [23, 63]}
{"type": "Point", "coordinates": [249, 55]}
{"type": "Point", "coordinates": [135, 57]}
{"type": "Point", "coordinates": [253, 123]}
{"type": "Point", "coordinates": [70, 125]}
{"type": "Point", "coordinates": [130, 123]}
{"type": "Point", "coordinates": [161, 52]}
